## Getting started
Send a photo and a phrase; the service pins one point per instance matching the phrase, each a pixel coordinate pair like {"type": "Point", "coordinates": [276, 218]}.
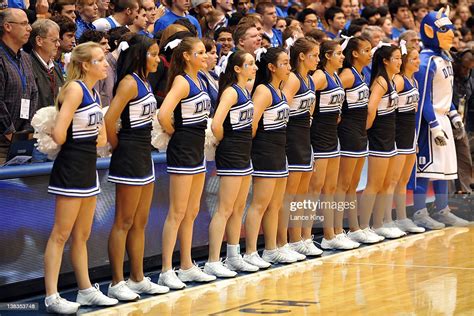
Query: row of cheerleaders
{"type": "Point", "coordinates": [299, 123]}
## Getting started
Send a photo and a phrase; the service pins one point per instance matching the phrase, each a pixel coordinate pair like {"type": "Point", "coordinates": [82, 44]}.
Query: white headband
{"type": "Point", "coordinates": [123, 46]}
{"type": "Point", "coordinates": [379, 45]}
{"type": "Point", "coordinates": [403, 47]}
{"type": "Point", "coordinates": [224, 62]}
{"type": "Point", "coordinates": [346, 41]}
{"type": "Point", "coordinates": [259, 52]}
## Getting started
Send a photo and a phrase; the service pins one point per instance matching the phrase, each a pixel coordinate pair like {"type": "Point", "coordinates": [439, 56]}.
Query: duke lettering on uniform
{"type": "Point", "coordinates": [149, 108]}
{"type": "Point", "coordinates": [204, 105]}
{"type": "Point", "coordinates": [337, 98]}
{"type": "Point", "coordinates": [283, 115]}
{"type": "Point", "coordinates": [246, 115]}
{"type": "Point", "coordinates": [413, 99]}
{"type": "Point", "coordinates": [306, 104]}
{"type": "Point", "coordinates": [363, 95]}
{"type": "Point", "coordinates": [95, 118]}
{"type": "Point", "coordinates": [448, 71]}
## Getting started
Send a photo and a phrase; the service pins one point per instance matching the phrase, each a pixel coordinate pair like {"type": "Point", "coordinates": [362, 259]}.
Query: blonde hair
{"type": "Point", "coordinates": [80, 54]}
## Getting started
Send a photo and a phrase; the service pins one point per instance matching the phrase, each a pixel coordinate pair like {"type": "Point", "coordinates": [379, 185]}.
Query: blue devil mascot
{"type": "Point", "coordinates": [436, 157]}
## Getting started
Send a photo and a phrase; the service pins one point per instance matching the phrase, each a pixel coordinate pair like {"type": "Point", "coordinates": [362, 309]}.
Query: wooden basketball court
{"type": "Point", "coordinates": [428, 274]}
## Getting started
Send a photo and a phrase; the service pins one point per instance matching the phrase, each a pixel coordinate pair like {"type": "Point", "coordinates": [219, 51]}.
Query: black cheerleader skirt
{"type": "Point", "coordinates": [405, 133]}
{"type": "Point", "coordinates": [298, 148]}
{"type": "Point", "coordinates": [131, 161]}
{"type": "Point", "coordinates": [324, 136]}
{"type": "Point", "coordinates": [185, 152]}
{"type": "Point", "coordinates": [352, 134]}
{"type": "Point", "coordinates": [74, 172]}
{"type": "Point", "coordinates": [233, 154]}
{"type": "Point", "coordinates": [382, 136]}
{"type": "Point", "coordinates": [269, 154]}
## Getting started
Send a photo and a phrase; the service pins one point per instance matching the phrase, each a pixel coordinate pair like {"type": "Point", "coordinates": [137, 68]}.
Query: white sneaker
{"type": "Point", "coordinates": [219, 270]}
{"type": "Point", "coordinates": [396, 231]}
{"type": "Point", "coordinates": [423, 219]}
{"type": "Point", "coordinates": [360, 236]}
{"type": "Point", "coordinates": [170, 280]}
{"type": "Point", "coordinates": [338, 242]}
{"type": "Point", "coordinates": [276, 256]}
{"type": "Point", "coordinates": [311, 248]}
{"type": "Point", "coordinates": [237, 263]}
{"type": "Point", "coordinates": [369, 231]}
{"type": "Point", "coordinates": [94, 296]}
{"type": "Point", "coordinates": [194, 274]}
{"type": "Point", "coordinates": [408, 226]}
{"type": "Point", "coordinates": [299, 247]}
{"type": "Point", "coordinates": [445, 216]}
{"type": "Point", "coordinates": [343, 236]}
{"type": "Point", "coordinates": [122, 292]}
{"type": "Point", "coordinates": [59, 305]}
{"type": "Point", "coordinates": [286, 249]}
{"type": "Point", "coordinates": [147, 287]}
{"type": "Point", "coordinates": [255, 260]}
{"type": "Point", "coordinates": [387, 232]}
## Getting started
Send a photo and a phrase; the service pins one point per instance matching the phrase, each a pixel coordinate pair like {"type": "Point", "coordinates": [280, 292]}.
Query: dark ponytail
{"type": "Point", "coordinates": [302, 45]}
{"type": "Point", "coordinates": [230, 77]}
{"type": "Point", "coordinates": [178, 63]}
{"type": "Point", "coordinates": [327, 47]}
{"type": "Point", "coordinates": [264, 75]}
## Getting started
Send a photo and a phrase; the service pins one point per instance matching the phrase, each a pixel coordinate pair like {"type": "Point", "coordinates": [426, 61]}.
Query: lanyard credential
{"type": "Point", "coordinates": [19, 69]}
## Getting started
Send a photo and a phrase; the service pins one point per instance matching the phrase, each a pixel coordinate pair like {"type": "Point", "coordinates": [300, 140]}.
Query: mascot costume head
{"type": "Point", "coordinates": [437, 31]}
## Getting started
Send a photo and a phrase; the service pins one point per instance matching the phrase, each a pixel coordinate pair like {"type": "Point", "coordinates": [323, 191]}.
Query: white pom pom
{"type": "Point", "coordinates": [118, 124]}
{"type": "Point", "coordinates": [159, 138]}
{"type": "Point", "coordinates": [43, 122]}
{"type": "Point", "coordinates": [211, 142]}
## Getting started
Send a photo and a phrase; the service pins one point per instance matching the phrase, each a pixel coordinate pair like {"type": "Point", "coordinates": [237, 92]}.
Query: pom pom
{"type": "Point", "coordinates": [159, 138]}
{"type": "Point", "coordinates": [43, 122]}
{"type": "Point", "coordinates": [210, 143]}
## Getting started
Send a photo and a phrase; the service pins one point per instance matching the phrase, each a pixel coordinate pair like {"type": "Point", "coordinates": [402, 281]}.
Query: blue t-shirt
{"type": "Point", "coordinates": [169, 18]}
{"type": "Point", "coordinates": [277, 38]}
{"type": "Point", "coordinates": [397, 32]}
{"type": "Point", "coordinates": [281, 13]}
{"type": "Point", "coordinates": [331, 35]}
{"type": "Point", "coordinates": [16, 4]}
{"type": "Point", "coordinates": [82, 26]}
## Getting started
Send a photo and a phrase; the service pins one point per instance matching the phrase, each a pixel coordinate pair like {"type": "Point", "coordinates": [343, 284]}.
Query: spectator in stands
{"type": "Point", "coordinates": [280, 24]}
{"type": "Point", "coordinates": [178, 10]}
{"type": "Point", "coordinates": [247, 38]}
{"type": "Point", "coordinates": [355, 7]}
{"type": "Point", "coordinates": [152, 14]}
{"type": "Point", "coordinates": [66, 8]}
{"type": "Point", "coordinates": [67, 37]}
{"type": "Point", "coordinates": [201, 8]}
{"type": "Point", "coordinates": [308, 19]}
{"type": "Point", "coordinates": [125, 12]}
{"type": "Point", "coordinates": [335, 19]}
{"type": "Point", "coordinates": [371, 14]}
{"type": "Point", "coordinates": [386, 24]}
{"type": "Point", "coordinates": [209, 75]}
{"type": "Point", "coordinates": [98, 37]}
{"type": "Point", "coordinates": [281, 8]}
{"type": "Point", "coordinates": [399, 13]}
{"type": "Point", "coordinates": [103, 6]}
{"type": "Point", "coordinates": [224, 6]}
{"type": "Point", "coordinates": [139, 26]}
{"type": "Point", "coordinates": [212, 22]}
{"type": "Point", "coordinates": [187, 24]}
{"type": "Point", "coordinates": [411, 38]}
{"type": "Point", "coordinates": [88, 13]}
{"type": "Point", "coordinates": [269, 17]}
{"type": "Point", "coordinates": [374, 33]}
{"type": "Point", "coordinates": [223, 37]}
{"type": "Point", "coordinates": [18, 91]}
{"type": "Point", "coordinates": [253, 18]}
{"type": "Point", "coordinates": [318, 35]}
{"type": "Point", "coordinates": [419, 11]}
{"type": "Point", "coordinates": [45, 42]}
{"type": "Point", "coordinates": [243, 6]}
{"type": "Point", "coordinates": [293, 31]}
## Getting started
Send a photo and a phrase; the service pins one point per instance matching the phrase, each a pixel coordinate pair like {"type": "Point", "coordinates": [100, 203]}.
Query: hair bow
{"type": "Point", "coordinates": [123, 46]}
{"type": "Point", "coordinates": [225, 61]}
{"type": "Point", "coordinates": [379, 45]}
{"type": "Point", "coordinates": [403, 47]}
{"type": "Point", "coordinates": [290, 41]}
{"type": "Point", "coordinates": [346, 41]}
{"type": "Point", "coordinates": [173, 44]}
{"type": "Point", "coordinates": [259, 52]}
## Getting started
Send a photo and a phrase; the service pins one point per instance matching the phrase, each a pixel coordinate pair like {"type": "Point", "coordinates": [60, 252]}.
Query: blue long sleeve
{"type": "Point", "coordinates": [425, 86]}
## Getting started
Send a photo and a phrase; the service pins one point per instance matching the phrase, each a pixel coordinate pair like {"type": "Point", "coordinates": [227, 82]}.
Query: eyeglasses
{"type": "Point", "coordinates": [312, 22]}
{"type": "Point", "coordinates": [24, 23]}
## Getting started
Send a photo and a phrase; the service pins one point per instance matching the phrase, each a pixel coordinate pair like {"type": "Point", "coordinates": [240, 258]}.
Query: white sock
{"type": "Point", "coordinates": [50, 299]}
{"type": "Point", "coordinates": [87, 291]}
{"type": "Point", "coordinates": [233, 250]}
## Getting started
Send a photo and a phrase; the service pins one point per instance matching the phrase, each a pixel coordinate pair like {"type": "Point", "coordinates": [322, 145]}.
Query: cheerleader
{"type": "Point", "coordinates": [232, 126]}
{"type": "Point", "coordinates": [329, 98]}
{"type": "Point", "coordinates": [268, 157]}
{"type": "Point", "coordinates": [190, 104]}
{"type": "Point", "coordinates": [352, 135]}
{"type": "Point", "coordinates": [299, 92]}
{"type": "Point", "coordinates": [74, 180]}
{"type": "Point", "coordinates": [131, 166]}
{"type": "Point", "coordinates": [408, 98]}
{"type": "Point", "coordinates": [381, 126]}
